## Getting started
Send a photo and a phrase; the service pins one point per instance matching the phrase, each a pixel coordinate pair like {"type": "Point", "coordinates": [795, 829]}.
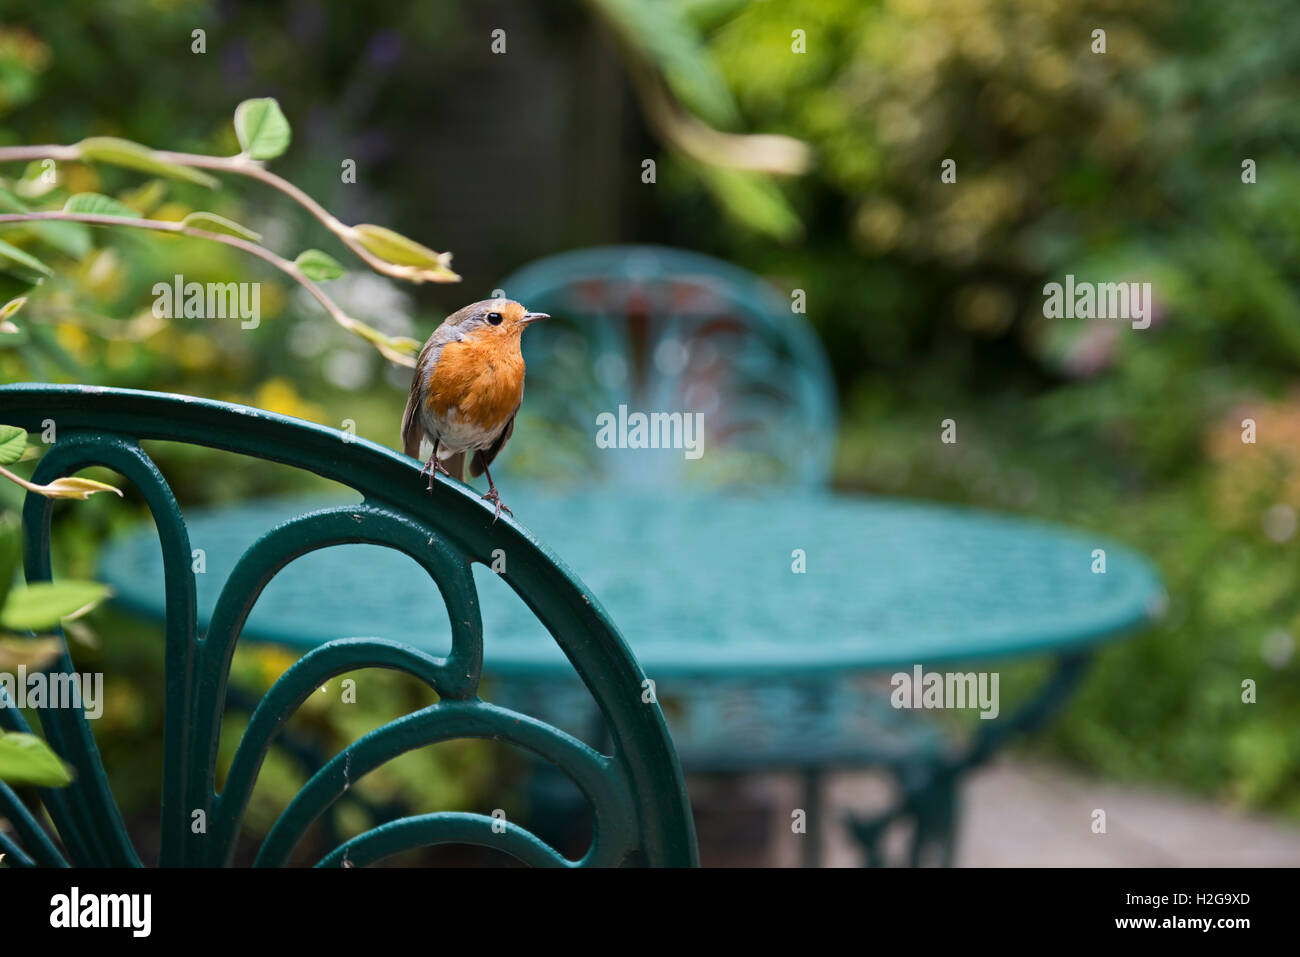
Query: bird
{"type": "Point", "coordinates": [466, 390]}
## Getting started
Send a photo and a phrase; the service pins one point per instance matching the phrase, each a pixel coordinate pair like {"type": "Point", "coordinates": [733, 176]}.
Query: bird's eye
{"type": "Point", "coordinates": [494, 318]}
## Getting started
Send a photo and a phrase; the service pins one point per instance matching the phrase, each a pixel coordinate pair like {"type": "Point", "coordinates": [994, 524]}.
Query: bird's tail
{"type": "Point", "coordinates": [455, 464]}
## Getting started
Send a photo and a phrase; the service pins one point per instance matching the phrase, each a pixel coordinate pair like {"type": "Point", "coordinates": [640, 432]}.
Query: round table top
{"type": "Point", "coordinates": [706, 586]}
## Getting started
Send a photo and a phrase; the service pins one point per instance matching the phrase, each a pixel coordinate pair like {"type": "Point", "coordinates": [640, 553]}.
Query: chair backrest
{"type": "Point", "coordinates": [636, 791]}
{"type": "Point", "coordinates": [658, 331]}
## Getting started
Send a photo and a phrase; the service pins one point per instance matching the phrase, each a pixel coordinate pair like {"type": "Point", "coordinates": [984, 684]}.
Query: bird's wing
{"type": "Point", "coordinates": [483, 457]}
{"type": "Point", "coordinates": [412, 430]}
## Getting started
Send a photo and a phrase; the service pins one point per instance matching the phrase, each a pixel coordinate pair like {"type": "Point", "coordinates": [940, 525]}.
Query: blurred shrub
{"type": "Point", "coordinates": [1118, 166]}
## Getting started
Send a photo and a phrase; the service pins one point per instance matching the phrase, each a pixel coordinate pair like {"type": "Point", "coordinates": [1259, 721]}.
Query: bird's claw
{"type": "Point", "coordinates": [493, 497]}
{"type": "Point", "coordinates": [431, 466]}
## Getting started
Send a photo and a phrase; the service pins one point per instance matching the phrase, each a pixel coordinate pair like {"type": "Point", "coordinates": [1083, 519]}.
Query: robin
{"type": "Point", "coordinates": [469, 381]}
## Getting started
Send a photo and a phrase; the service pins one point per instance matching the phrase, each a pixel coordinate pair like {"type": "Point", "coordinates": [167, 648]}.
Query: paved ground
{"type": "Point", "coordinates": [1014, 814]}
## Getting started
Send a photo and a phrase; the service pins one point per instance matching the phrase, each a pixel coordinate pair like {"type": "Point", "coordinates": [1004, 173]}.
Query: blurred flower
{"type": "Point", "coordinates": [1078, 348]}
{"type": "Point", "coordinates": [74, 340]}
{"type": "Point", "coordinates": [1257, 484]}
{"type": "Point", "coordinates": [986, 309]}
{"type": "Point", "coordinates": [384, 49]}
{"type": "Point", "coordinates": [22, 58]}
{"type": "Point", "coordinates": [1277, 649]}
{"type": "Point", "coordinates": [1279, 523]}
{"type": "Point", "coordinates": [279, 395]}
{"type": "Point", "coordinates": [196, 352]}
{"type": "Point", "coordinates": [878, 224]}
{"type": "Point", "coordinates": [349, 369]}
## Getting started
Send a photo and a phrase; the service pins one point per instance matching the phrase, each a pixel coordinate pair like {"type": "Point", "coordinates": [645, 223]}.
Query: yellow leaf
{"type": "Point", "coordinates": [73, 487]}
{"type": "Point", "coordinates": [11, 307]}
{"type": "Point", "coordinates": [32, 653]}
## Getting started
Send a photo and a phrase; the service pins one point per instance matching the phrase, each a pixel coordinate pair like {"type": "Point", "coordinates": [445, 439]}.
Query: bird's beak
{"type": "Point", "coordinates": [534, 316]}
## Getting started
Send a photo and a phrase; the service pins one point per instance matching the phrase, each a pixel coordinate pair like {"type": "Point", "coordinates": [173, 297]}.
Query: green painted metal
{"type": "Point", "coordinates": [636, 789]}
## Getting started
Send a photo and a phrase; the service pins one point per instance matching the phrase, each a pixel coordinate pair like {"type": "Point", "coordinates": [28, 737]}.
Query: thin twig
{"type": "Point", "coordinates": [243, 166]}
{"type": "Point", "coordinates": [19, 153]}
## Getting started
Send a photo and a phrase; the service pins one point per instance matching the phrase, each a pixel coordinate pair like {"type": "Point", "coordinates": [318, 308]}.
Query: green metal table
{"type": "Point", "coordinates": [759, 619]}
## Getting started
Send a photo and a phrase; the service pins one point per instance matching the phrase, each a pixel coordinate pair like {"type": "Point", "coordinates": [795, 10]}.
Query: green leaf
{"type": "Point", "coordinates": [34, 183]}
{"type": "Point", "coordinates": [71, 239]}
{"type": "Point", "coordinates": [96, 204]}
{"type": "Point", "coordinates": [664, 35]}
{"type": "Point", "coordinates": [12, 335]}
{"type": "Point", "coordinates": [22, 264]}
{"type": "Point", "coordinates": [42, 605]}
{"type": "Point", "coordinates": [146, 197]}
{"type": "Point", "coordinates": [219, 224]}
{"type": "Point", "coordinates": [118, 152]}
{"type": "Point", "coordinates": [13, 442]}
{"type": "Point", "coordinates": [393, 247]}
{"type": "Point", "coordinates": [753, 200]}
{"type": "Point", "coordinates": [318, 265]}
{"type": "Point", "coordinates": [26, 759]}
{"type": "Point", "coordinates": [395, 348]}
{"type": "Point", "coordinates": [10, 552]}
{"type": "Point", "coordinates": [9, 203]}
{"type": "Point", "coordinates": [262, 129]}
{"type": "Point", "coordinates": [708, 15]}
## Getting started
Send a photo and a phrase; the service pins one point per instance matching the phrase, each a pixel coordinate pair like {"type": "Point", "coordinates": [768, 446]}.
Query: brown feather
{"type": "Point", "coordinates": [412, 429]}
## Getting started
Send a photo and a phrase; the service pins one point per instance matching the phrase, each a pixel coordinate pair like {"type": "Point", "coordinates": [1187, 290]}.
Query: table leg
{"type": "Point", "coordinates": [1050, 699]}
{"type": "Point", "coordinates": [930, 793]}
{"type": "Point", "coordinates": [934, 807]}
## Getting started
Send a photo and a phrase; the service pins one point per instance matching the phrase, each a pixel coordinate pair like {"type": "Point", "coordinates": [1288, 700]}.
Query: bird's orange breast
{"type": "Point", "coordinates": [482, 379]}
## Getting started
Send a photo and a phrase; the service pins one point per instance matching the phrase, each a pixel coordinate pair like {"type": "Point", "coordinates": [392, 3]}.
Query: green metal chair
{"type": "Point", "coordinates": [660, 329]}
{"type": "Point", "coordinates": [634, 785]}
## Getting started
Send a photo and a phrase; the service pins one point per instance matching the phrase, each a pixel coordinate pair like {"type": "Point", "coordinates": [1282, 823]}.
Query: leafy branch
{"type": "Point", "coordinates": [686, 100]}
{"type": "Point", "coordinates": [263, 134]}
{"type": "Point", "coordinates": [35, 609]}
{"type": "Point", "coordinates": [312, 264]}
{"type": "Point", "coordinates": [13, 447]}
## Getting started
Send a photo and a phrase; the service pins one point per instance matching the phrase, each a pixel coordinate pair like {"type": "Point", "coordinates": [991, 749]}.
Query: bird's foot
{"type": "Point", "coordinates": [431, 466]}
{"type": "Point", "coordinates": [493, 497]}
